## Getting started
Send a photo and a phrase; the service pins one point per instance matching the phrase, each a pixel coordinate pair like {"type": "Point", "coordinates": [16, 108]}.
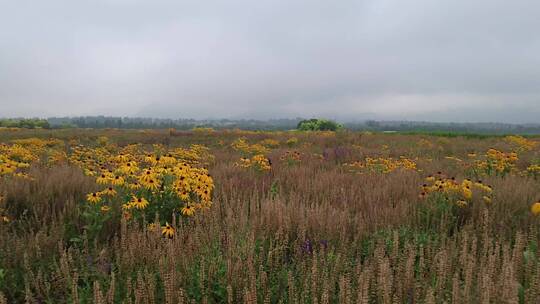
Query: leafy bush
{"type": "Point", "coordinates": [317, 124]}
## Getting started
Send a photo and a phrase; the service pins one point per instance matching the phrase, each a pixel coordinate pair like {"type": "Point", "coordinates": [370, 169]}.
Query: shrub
{"type": "Point", "coordinates": [316, 124]}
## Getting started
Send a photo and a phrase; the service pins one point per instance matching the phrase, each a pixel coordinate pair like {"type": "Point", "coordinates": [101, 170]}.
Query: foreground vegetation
{"type": "Point", "coordinates": [204, 216]}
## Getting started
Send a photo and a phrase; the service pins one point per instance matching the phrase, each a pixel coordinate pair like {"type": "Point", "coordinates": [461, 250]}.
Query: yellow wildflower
{"type": "Point", "coordinates": [188, 210]}
{"type": "Point", "coordinates": [467, 193]}
{"type": "Point", "coordinates": [93, 198]}
{"type": "Point", "coordinates": [461, 203]}
{"type": "Point", "coordinates": [103, 179]}
{"type": "Point", "coordinates": [151, 184]}
{"type": "Point", "coordinates": [139, 203]}
{"type": "Point", "coordinates": [109, 191]}
{"type": "Point", "coordinates": [152, 227]}
{"type": "Point", "coordinates": [535, 208]}
{"type": "Point", "coordinates": [117, 180]}
{"type": "Point", "coordinates": [167, 230]}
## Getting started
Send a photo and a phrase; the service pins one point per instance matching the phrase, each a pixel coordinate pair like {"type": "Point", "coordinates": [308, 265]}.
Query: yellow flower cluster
{"type": "Point", "coordinates": [243, 146]}
{"type": "Point", "coordinates": [196, 154]}
{"type": "Point", "coordinates": [497, 162]}
{"type": "Point", "coordinates": [534, 170]}
{"type": "Point", "coordinates": [460, 192]}
{"type": "Point", "coordinates": [383, 165]}
{"type": "Point", "coordinates": [145, 183]}
{"type": "Point", "coordinates": [203, 131]}
{"type": "Point", "coordinates": [270, 143]}
{"type": "Point", "coordinates": [493, 154]}
{"type": "Point", "coordinates": [521, 143]}
{"type": "Point", "coordinates": [20, 154]}
{"type": "Point", "coordinates": [258, 162]}
{"type": "Point", "coordinates": [38, 143]}
{"type": "Point", "coordinates": [291, 156]}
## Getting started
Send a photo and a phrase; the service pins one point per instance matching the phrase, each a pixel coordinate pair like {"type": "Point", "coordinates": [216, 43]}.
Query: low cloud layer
{"type": "Point", "coordinates": [368, 59]}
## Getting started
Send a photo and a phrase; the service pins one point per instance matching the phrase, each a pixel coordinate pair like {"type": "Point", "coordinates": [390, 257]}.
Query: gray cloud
{"type": "Point", "coordinates": [386, 59]}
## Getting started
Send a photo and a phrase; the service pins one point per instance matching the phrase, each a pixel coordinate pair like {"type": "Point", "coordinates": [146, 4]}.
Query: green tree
{"type": "Point", "coordinates": [317, 124]}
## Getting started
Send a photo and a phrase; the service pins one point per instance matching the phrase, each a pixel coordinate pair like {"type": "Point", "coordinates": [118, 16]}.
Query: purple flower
{"type": "Point", "coordinates": [307, 247]}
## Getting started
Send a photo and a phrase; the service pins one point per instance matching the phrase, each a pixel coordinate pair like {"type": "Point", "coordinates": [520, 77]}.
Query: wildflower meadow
{"type": "Point", "coordinates": [234, 216]}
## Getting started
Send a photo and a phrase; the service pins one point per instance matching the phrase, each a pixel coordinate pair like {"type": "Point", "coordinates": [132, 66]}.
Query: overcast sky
{"type": "Point", "coordinates": [436, 60]}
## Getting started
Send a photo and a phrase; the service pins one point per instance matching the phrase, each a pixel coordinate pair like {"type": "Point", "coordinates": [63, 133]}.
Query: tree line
{"type": "Point", "coordinates": [314, 124]}
{"type": "Point", "coordinates": [26, 123]}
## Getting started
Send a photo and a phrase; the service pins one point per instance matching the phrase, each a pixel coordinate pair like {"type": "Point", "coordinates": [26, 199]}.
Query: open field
{"type": "Point", "coordinates": [204, 216]}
